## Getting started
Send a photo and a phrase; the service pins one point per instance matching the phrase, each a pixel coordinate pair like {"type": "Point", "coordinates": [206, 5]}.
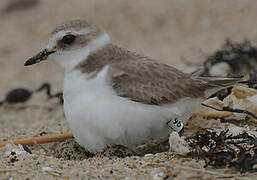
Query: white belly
{"type": "Point", "coordinates": [98, 117]}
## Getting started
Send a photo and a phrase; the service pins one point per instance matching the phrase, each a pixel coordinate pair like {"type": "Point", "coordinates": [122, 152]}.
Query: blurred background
{"type": "Point", "coordinates": [181, 33]}
{"type": "Point", "coordinates": [169, 31]}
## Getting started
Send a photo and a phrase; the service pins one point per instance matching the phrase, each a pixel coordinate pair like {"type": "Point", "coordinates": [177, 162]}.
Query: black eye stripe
{"type": "Point", "coordinates": [68, 39]}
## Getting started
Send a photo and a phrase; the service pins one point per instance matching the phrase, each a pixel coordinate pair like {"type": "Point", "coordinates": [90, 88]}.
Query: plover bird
{"type": "Point", "coordinates": [113, 96]}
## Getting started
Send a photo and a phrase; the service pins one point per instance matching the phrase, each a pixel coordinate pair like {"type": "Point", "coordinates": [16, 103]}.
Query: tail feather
{"type": "Point", "coordinates": [214, 84]}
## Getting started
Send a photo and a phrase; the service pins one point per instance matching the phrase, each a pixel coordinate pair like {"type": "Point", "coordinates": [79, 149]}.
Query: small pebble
{"type": "Point", "coordinates": [148, 155]}
{"type": "Point", "coordinates": [178, 144]}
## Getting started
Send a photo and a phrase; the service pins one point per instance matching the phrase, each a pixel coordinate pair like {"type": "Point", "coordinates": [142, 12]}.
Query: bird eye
{"type": "Point", "coordinates": [68, 39]}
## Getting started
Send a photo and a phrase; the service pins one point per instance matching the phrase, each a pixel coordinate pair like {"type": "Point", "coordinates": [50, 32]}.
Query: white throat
{"type": "Point", "coordinates": [69, 60]}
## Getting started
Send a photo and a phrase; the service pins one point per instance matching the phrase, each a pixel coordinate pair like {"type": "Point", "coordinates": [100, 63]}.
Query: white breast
{"type": "Point", "coordinates": [98, 117]}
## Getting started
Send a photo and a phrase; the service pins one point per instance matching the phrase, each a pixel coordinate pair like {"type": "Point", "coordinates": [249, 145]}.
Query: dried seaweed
{"type": "Point", "coordinates": [22, 95]}
{"type": "Point", "coordinates": [19, 95]}
{"type": "Point", "coordinates": [222, 150]}
{"type": "Point", "coordinates": [239, 57]}
{"type": "Point", "coordinates": [47, 88]}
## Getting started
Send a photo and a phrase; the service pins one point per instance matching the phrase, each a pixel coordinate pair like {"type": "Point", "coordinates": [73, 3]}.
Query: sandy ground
{"type": "Point", "coordinates": [167, 30]}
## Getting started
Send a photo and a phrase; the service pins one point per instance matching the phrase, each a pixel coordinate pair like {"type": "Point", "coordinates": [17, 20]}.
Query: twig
{"type": "Point", "coordinates": [40, 140]}
{"type": "Point", "coordinates": [239, 111]}
{"type": "Point", "coordinates": [247, 82]}
{"type": "Point", "coordinates": [214, 114]}
{"type": "Point", "coordinates": [232, 110]}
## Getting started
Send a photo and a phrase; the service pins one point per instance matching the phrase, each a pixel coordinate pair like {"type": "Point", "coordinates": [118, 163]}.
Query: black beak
{"type": "Point", "coordinates": [39, 57]}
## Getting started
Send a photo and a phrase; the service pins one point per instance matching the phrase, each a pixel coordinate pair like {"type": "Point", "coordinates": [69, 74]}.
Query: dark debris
{"type": "Point", "coordinates": [239, 56]}
{"type": "Point", "coordinates": [221, 150]}
{"type": "Point", "coordinates": [13, 157]}
{"type": "Point", "coordinates": [22, 95]}
{"type": "Point", "coordinates": [222, 94]}
{"type": "Point", "coordinates": [27, 149]}
{"type": "Point", "coordinates": [47, 88]}
{"type": "Point", "coordinates": [19, 95]}
{"type": "Point", "coordinates": [253, 79]}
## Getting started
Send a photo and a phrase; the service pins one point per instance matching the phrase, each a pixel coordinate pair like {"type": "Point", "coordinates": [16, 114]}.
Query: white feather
{"type": "Point", "coordinates": [99, 118]}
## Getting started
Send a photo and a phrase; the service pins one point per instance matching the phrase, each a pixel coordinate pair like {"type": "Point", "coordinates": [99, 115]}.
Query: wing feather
{"type": "Point", "coordinates": [149, 82]}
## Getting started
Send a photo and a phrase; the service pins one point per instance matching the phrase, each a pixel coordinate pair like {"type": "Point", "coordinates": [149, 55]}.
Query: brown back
{"type": "Point", "coordinates": [144, 80]}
